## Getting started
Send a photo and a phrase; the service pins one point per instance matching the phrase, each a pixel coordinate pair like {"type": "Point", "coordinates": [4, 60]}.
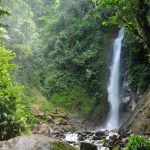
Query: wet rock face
{"type": "Point", "coordinates": [126, 99]}
{"type": "Point", "coordinates": [88, 146]}
{"type": "Point", "coordinates": [34, 142]}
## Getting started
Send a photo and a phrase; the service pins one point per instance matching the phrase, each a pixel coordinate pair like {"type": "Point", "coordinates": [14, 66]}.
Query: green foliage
{"type": "Point", "coordinates": [118, 147]}
{"type": "Point", "coordinates": [134, 17]}
{"type": "Point", "coordinates": [125, 14]}
{"type": "Point", "coordinates": [62, 48]}
{"type": "Point", "coordinates": [138, 143]}
{"type": "Point", "coordinates": [74, 45]}
{"type": "Point", "coordinates": [59, 45]}
{"type": "Point", "coordinates": [78, 55]}
{"type": "Point", "coordinates": [73, 100]}
{"type": "Point", "coordinates": [138, 62]}
{"type": "Point", "coordinates": [62, 146]}
{"type": "Point", "coordinates": [3, 12]}
{"type": "Point", "coordinates": [38, 99]}
{"type": "Point", "coordinates": [139, 76]}
{"type": "Point", "coordinates": [14, 114]}
{"type": "Point", "coordinates": [24, 39]}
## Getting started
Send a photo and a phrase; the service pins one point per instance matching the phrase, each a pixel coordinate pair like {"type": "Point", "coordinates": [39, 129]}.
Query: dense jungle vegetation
{"type": "Point", "coordinates": [60, 50]}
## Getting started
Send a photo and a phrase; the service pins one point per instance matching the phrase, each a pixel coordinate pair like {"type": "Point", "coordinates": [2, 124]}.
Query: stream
{"type": "Point", "coordinates": [103, 139]}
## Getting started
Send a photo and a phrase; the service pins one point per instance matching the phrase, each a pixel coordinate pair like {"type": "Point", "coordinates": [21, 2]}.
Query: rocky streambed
{"type": "Point", "coordinates": [87, 140]}
{"type": "Point", "coordinates": [61, 132]}
{"type": "Point", "coordinates": [81, 134]}
{"type": "Point", "coordinates": [97, 140]}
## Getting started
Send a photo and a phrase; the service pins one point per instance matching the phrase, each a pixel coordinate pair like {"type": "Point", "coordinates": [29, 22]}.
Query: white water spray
{"type": "Point", "coordinates": [113, 87]}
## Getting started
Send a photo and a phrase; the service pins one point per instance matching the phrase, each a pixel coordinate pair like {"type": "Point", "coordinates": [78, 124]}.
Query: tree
{"type": "Point", "coordinates": [133, 15]}
{"type": "Point", "coordinates": [13, 115]}
{"type": "Point", "coordinates": [75, 48]}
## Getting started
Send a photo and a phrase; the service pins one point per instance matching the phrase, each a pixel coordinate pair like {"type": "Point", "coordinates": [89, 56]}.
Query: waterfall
{"type": "Point", "coordinates": [113, 87]}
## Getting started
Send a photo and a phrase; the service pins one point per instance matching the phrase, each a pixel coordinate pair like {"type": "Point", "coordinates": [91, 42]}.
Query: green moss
{"type": "Point", "coordinates": [74, 99]}
{"type": "Point", "coordinates": [106, 143]}
{"type": "Point", "coordinates": [88, 146]}
{"type": "Point", "coordinates": [117, 147]}
{"type": "Point", "coordinates": [62, 146]}
{"type": "Point", "coordinates": [99, 110]}
{"type": "Point", "coordinates": [37, 98]}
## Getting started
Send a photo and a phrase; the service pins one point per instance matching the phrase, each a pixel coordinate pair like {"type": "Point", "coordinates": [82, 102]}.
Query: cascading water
{"type": "Point", "coordinates": [113, 87]}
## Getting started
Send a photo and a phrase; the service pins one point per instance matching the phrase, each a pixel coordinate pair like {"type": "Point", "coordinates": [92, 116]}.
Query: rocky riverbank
{"type": "Point", "coordinates": [87, 140]}
{"type": "Point", "coordinates": [34, 142]}
{"type": "Point", "coordinates": [68, 133]}
{"type": "Point", "coordinates": [80, 134]}
{"type": "Point", "coordinates": [102, 140]}
{"type": "Point", "coordinates": [61, 129]}
{"type": "Point", "coordinates": [58, 124]}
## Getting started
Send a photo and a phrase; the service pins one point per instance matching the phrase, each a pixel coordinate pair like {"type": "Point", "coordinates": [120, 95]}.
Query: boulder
{"type": "Point", "coordinates": [96, 138]}
{"type": "Point", "coordinates": [34, 142]}
{"type": "Point", "coordinates": [43, 129]}
{"type": "Point", "coordinates": [126, 100]}
{"type": "Point", "coordinates": [124, 141]}
{"type": "Point", "coordinates": [60, 121]}
{"type": "Point", "coordinates": [50, 119]}
{"type": "Point", "coordinates": [100, 133]}
{"type": "Point", "coordinates": [88, 133]}
{"type": "Point", "coordinates": [81, 138]}
{"type": "Point", "coordinates": [88, 146]}
{"type": "Point", "coordinates": [59, 115]}
{"type": "Point", "coordinates": [118, 147]}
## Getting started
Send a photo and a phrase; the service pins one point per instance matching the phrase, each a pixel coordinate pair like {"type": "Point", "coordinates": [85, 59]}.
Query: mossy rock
{"type": "Point", "coordinates": [118, 147]}
{"type": "Point", "coordinates": [60, 121]}
{"type": "Point", "coordinates": [106, 143]}
{"type": "Point", "coordinates": [62, 146]}
{"type": "Point", "coordinates": [34, 142]}
{"type": "Point", "coordinates": [88, 146]}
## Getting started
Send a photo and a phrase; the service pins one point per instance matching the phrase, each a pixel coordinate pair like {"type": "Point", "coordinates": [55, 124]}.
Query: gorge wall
{"type": "Point", "coordinates": [135, 104]}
